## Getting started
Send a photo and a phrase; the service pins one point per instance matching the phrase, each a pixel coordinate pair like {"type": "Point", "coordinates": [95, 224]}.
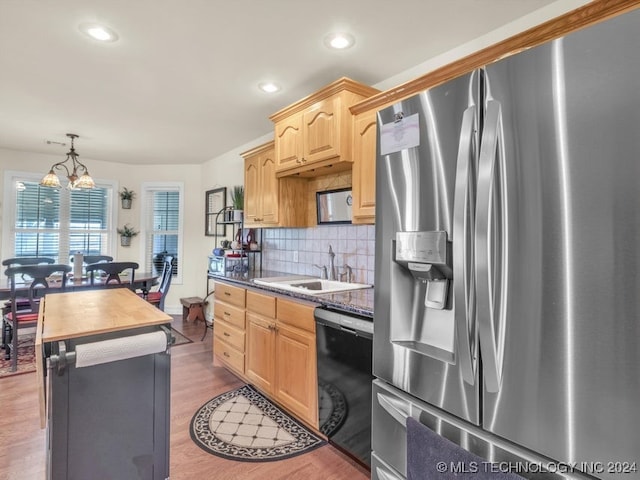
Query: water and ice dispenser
{"type": "Point", "coordinates": [421, 276]}
{"type": "Point", "coordinates": [424, 254]}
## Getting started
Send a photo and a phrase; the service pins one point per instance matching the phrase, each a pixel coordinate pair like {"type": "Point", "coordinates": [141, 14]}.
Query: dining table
{"type": "Point", "coordinates": [142, 281]}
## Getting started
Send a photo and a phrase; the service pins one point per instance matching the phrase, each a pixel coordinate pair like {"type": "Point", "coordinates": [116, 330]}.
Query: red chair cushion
{"type": "Point", "coordinates": [23, 317]}
{"type": "Point", "coordinates": [152, 297]}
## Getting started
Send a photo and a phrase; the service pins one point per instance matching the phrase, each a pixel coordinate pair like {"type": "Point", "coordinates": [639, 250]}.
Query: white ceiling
{"type": "Point", "coordinates": [180, 85]}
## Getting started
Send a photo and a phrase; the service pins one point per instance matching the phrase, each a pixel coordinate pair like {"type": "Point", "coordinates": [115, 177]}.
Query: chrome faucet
{"type": "Point", "coordinates": [324, 270]}
{"type": "Point", "coordinates": [332, 267]}
{"type": "Point", "coordinates": [348, 271]}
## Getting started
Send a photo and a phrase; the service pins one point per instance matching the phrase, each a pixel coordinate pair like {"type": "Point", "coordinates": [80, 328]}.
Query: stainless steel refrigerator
{"type": "Point", "coordinates": [507, 306]}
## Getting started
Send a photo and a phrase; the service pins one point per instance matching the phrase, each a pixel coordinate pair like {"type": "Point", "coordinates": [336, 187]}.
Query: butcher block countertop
{"type": "Point", "coordinates": [79, 314]}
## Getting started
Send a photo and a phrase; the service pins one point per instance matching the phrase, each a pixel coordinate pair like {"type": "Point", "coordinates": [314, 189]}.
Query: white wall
{"type": "Point", "coordinates": [535, 18]}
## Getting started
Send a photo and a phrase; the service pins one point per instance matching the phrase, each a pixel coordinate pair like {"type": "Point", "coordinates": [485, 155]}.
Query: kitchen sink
{"type": "Point", "coordinates": [309, 285]}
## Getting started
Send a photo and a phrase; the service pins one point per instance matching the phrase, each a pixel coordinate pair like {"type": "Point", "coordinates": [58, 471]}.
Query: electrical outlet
{"type": "Point", "coordinates": [295, 256]}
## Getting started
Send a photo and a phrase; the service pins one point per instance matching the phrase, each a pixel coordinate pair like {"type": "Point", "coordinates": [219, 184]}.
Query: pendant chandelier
{"type": "Point", "coordinates": [76, 172]}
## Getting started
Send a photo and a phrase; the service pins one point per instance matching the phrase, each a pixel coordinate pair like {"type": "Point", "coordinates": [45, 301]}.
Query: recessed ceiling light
{"type": "Point", "coordinates": [99, 32]}
{"type": "Point", "coordinates": [269, 87]}
{"type": "Point", "coordinates": [339, 41]}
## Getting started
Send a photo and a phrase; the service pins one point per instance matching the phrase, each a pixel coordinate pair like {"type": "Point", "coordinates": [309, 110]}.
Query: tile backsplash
{"type": "Point", "coordinates": [354, 245]}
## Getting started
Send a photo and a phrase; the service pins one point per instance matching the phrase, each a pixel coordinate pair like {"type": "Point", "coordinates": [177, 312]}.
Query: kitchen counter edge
{"type": "Point", "coordinates": [359, 302]}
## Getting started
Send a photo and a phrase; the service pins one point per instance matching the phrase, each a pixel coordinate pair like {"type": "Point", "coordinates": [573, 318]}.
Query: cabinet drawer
{"type": "Point", "coordinates": [228, 355]}
{"type": "Point", "coordinates": [296, 314]}
{"type": "Point", "coordinates": [230, 335]}
{"type": "Point", "coordinates": [228, 313]}
{"type": "Point", "coordinates": [230, 294]}
{"type": "Point", "coordinates": [265, 305]}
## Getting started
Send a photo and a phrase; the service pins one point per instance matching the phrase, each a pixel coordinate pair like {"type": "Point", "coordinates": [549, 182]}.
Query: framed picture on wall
{"type": "Point", "coordinates": [215, 200]}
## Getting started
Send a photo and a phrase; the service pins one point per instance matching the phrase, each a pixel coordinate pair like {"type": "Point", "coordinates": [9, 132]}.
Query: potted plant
{"type": "Point", "coordinates": [237, 200]}
{"type": "Point", "coordinates": [126, 196]}
{"type": "Point", "coordinates": [126, 233]}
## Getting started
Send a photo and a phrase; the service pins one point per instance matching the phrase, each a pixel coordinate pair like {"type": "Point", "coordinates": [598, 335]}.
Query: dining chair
{"type": "Point", "coordinates": [113, 270]}
{"type": "Point", "coordinates": [89, 259]}
{"type": "Point", "coordinates": [157, 297]}
{"type": "Point", "coordinates": [17, 261]}
{"type": "Point", "coordinates": [19, 317]}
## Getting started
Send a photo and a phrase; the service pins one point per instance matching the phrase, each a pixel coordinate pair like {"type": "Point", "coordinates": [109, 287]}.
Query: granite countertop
{"type": "Point", "coordinates": [359, 302]}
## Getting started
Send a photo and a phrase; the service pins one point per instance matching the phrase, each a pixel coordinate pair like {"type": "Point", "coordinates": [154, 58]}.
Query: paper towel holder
{"type": "Point", "coordinates": [65, 358]}
{"type": "Point", "coordinates": [62, 359]}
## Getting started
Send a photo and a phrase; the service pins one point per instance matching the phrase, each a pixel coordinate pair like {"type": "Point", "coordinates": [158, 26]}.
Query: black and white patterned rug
{"type": "Point", "coordinates": [243, 425]}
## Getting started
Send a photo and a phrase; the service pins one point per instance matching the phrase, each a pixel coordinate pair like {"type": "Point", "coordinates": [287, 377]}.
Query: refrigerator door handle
{"type": "Point", "coordinates": [397, 408]}
{"type": "Point", "coordinates": [491, 247]}
{"type": "Point", "coordinates": [463, 224]}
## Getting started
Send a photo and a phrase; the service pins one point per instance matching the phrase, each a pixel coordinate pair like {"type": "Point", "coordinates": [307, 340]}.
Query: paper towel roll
{"type": "Point", "coordinates": [122, 348]}
{"type": "Point", "coordinates": [78, 260]}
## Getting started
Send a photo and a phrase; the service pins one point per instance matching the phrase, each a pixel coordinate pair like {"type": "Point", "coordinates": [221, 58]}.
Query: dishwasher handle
{"type": "Point", "coordinates": [353, 324]}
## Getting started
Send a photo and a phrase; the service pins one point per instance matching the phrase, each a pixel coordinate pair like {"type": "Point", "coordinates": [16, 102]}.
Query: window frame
{"type": "Point", "coordinates": [146, 219]}
{"type": "Point", "coordinates": [9, 212]}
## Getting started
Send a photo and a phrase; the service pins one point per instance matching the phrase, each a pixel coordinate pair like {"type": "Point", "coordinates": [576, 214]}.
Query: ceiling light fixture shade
{"type": "Point", "coordinates": [77, 172]}
{"type": "Point", "coordinates": [50, 180]}
{"type": "Point", "coordinates": [339, 41]}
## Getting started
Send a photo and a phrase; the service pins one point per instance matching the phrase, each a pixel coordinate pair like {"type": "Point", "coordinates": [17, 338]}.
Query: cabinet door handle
{"type": "Point", "coordinates": [226, 334]}
{"type": "Point", "coordinates": [227, 314]}
{"type": "Point", "coordinates": [227, 294]}
{"type": "Point", "coordinates": [298, 161]}
{"type": "Point", "coordinates": [226, 354]}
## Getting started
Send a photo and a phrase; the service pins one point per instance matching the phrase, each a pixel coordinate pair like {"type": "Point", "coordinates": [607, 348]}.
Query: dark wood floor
{"type": "Point", "coordinates": [194, 381]}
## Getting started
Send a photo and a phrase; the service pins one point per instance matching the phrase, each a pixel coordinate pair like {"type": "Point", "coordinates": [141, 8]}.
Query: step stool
{"type": "Point", "coordinates": [192, 309]}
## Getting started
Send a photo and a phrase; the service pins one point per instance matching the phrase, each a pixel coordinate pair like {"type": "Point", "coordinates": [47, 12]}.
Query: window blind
{"type": "Point", "coordinates": [164, 207]}
{"type": "Point", "coordinates": [88, 221]}
{"type": "Point", "coordinates": [37, 221]}
{"type": "Point", "coordinates": [59, 222]}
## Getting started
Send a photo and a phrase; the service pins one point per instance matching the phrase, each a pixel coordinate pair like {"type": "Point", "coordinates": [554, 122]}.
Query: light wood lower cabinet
{"type": "Point", "coordinates": [261, 362]}
{"type": "Point", "coordinates": [229, 330]}
{"type": "Point", "coordinates": [281, 353]}
{"type": "Point", "coordinates": [296, 376]}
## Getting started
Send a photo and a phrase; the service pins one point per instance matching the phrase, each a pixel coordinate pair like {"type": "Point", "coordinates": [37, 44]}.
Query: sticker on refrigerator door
{"type": "Point", "coordinates": [400, 135]}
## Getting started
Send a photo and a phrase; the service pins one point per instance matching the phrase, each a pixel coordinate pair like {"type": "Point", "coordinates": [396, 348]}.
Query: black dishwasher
{"type": "Point", "coordinates": [344, 345]}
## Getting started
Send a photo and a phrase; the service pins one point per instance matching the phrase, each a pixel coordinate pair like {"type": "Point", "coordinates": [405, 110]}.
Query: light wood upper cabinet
{"type": "Point", "coordinates": [261, 186]}
{"type": "Point", "coordinates": [364, 167]}
{"type": "Point", "coordinates": [269, 201]}
{"type": "Point", "coordinates": [288, 134]}
{"type": "Point", "coordinates": [252, 182]}
{"type": "Point", "coordinates": [321, 131]}
{"type": "Point", "coordinates": [313, 136]}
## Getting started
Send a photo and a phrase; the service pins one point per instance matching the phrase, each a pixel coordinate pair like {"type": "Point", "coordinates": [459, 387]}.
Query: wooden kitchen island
{"type": "Point", "coordinates": [103, 369]}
